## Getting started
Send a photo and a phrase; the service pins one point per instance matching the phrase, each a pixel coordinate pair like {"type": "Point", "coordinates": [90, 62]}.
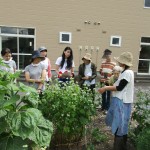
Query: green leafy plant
{"type": "Point", "coordinates": [69, 108]}
{"type": "Point", "coordinates": [21, 122]}
{"type": "Point", "coordinates": [140, 115]}
{"type": "Point", "coordinates": [98, 136]}
{"type": "Point", "coordinates": [143, 140]}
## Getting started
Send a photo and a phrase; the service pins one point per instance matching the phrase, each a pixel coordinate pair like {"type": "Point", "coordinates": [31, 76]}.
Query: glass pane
{"type": "Point", "coordinates": [10, 42]}
{"type": "Point", "coordinates": [145, 39]}
{"type": "Point", "coordinates": [143, 66]}
{"type": "Point", "coordinates": [147, 3]}
{"type": "Point", "coordinates": [65, 37]}
{"type": "Point", "coordinates": [26, 31]}
{"type": "Point", "coordinates": [26, 45]}
{"type": "Point", "coordinates": [115, 41]}
{"type": "Point", "coordinates": [9, 30]}
{"type": "Point", "coordinates": [145, 52]}
{"type": "Point", "coordinates": [24, 60]}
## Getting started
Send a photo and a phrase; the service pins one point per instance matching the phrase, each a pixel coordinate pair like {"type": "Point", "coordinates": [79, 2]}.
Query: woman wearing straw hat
{"type": "Point", "coordinates": [87, 72]}
{"type": "Point", "coordinates": [122, 97]}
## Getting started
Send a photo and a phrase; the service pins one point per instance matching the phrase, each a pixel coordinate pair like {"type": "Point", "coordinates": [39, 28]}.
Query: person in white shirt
{"type": "Point", "coordinates": [46, 62]}
{"type": "Point", "coordinates": [7, 59]}
{"type": "Point", "coordinates": [65, 65]}
{"type": "Point", "coordinates": [87, 72]}
{"type": "Point", "coordinates": [118, 115]}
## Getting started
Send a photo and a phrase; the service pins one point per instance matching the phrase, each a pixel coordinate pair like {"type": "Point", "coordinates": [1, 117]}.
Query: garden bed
{"type": "Point", "coordinates": [99, 122]}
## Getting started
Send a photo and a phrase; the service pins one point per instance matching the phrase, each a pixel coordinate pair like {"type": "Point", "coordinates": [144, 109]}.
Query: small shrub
{"type": "Point", "coordinates": [69, 108]}
{"type": "Point", "coordinates": [140, 116]}
{"type": "Point", "coordinates": [143, 140]}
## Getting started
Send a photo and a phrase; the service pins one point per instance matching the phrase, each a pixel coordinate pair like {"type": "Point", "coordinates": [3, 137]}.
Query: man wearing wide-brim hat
{"type": "Point", "coordinates": [87, 72]}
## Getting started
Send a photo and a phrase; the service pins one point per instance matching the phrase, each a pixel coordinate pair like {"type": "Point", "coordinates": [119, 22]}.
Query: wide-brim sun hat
{"type": "Point", "coordinates": [125, 58]}
{"type": "Point", "coordinates": [87, 56]}
{"type": "Point", "coordinates": [36, 54]}
{"type": "Point", "coordinates": [42, 48]}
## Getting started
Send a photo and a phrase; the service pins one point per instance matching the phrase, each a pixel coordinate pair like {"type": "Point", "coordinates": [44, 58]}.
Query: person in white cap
{"type": "Point", "coordinates": [118, 115]}
{"type": "Point", "coordinates": [46, 62]}
{"type": "Point", "coordinates": [115, 75]}
{"type": "Point", "coordinates": [87, 72]}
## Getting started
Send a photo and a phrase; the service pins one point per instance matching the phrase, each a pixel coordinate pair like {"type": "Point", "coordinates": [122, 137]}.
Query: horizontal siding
{"type": "Point", "coordinates": [127, 18]}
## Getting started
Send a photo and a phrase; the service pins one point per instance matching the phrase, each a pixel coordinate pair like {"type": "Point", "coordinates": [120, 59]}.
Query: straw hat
{"type": "Point", "coordinates": [87, 56]}
{"type": "Point", "coordinates": [125, 58]}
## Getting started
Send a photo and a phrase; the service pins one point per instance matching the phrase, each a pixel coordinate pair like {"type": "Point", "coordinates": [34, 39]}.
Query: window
{"type": "Point", "coordinates": [21, 43]}
{"type": "Point", "coordinates": [147, 4]}
{"type": "Point", "coordinates": [144, 57]}
{"type": "Point", "coordinates": [65, 37]}
{"type": "Point", "coordinates": [115, 41]}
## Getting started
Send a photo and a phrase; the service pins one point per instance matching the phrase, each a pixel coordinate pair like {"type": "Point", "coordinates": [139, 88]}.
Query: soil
{"type": "Point", "coordinates": [99, 122]}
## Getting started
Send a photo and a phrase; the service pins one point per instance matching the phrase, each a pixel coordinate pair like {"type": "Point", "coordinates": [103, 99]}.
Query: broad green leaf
{"type": "Point", "coordinates": [3, 125]}
{"type": "Point", "coordinates": [2, 113]}
{"type": "Point", "coordinates": [42, 132]}
{"type": "Point", "coordinates": [12, 100]}
{"type": "Point", "coordinates": [25, 88]}
{"type": "Point", "coordinates": [12, 143]}
{"type": "Point", "coordinates": [31, 99]}
{"type": "Point", "coordinates": [31, 124]}
{"type": "Point", "coordinates": [17, 124]}
{"type": "Point", "coordinates": [12, 87]}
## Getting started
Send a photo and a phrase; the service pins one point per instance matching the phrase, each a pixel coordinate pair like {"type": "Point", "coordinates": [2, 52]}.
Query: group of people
{"type": "Point", "coordinates": [117, 82]}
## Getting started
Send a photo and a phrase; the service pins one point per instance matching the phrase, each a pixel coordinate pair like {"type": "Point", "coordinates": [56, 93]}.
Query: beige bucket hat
{"type": "Point", "coordinates": [125, 58]}
{"type": "Point", "coordinates": [87, 56]}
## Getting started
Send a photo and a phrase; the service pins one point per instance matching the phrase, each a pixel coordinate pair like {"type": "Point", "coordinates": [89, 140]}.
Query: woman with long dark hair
{"type": "Point", "coordinates": [65, 65]}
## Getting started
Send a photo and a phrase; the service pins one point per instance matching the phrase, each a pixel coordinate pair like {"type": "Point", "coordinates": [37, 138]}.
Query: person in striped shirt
{"type": "Point", "coordinates": [106, 70]}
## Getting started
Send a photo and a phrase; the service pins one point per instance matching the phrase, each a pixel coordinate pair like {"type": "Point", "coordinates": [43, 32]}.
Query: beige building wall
{"type": "Point", "coordinates": [128, 19]}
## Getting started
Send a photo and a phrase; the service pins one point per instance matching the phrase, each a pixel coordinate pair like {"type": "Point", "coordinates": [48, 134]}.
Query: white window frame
{"type": "Point", "coordinates": [111, 40]}
{"type": "Point", "coordinates": [143, 43]}
{"type": "Point", "coordinates": [146, 6]}
{"type": "Point", "coordinates": [60, 37]}
{"type": "Point", "coordinates": [17, 36]}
